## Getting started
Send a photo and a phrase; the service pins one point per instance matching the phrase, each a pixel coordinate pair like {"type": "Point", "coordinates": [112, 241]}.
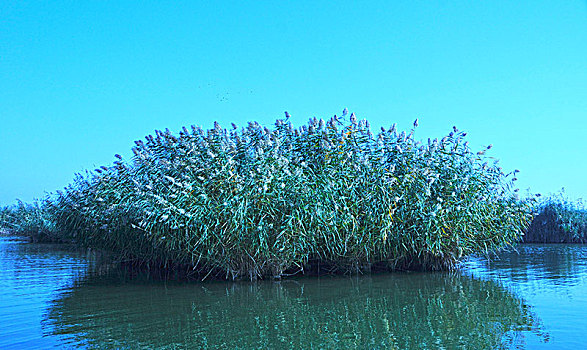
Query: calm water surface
{"type": "Point", "coordinates": [57, 296]}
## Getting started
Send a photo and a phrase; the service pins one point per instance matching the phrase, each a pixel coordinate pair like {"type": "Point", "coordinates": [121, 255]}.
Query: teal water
{"type": "Point", "coordinates": [54, 296]}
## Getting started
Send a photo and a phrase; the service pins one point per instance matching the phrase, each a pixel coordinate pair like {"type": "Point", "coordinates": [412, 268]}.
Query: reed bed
{"type": "Point", "coordinates": [327, 197]}
{"type": "Point", "coordinates": [33, 221]}
{"type": "Point", "coordinates": [559, 220]}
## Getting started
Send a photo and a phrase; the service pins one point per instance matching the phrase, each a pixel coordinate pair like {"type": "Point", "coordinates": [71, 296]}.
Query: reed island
{"type": "Point", "coordinates": [267, 202]}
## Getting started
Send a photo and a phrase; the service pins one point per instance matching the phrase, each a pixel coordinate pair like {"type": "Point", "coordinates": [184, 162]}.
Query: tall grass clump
{"type": "Point", "coordinates": [29, 220]}
{"type": "Point", "coordinates": [329, 196]}
{"type": "Point", "coordinates": [559, 220]}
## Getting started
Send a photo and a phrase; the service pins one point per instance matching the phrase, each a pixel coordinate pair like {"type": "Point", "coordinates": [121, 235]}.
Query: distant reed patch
{"type": "Point", "coordinates": [33, 221]}
{"type": "Point", "coordinates": [559, 220]}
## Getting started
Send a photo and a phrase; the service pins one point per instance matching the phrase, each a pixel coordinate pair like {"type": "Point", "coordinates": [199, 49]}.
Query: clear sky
{"type": "Point", "coordinates": [81, 80]}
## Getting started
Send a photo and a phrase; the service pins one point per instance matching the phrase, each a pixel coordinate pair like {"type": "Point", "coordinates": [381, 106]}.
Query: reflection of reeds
{"type": "Point", "coordinates": [257, 202]}
{"type": "Point", "coordinates": [404, 311]}
{"type": "Point", "coordinates": [559, 220]}
{"type": "Point", "coordinates": [550, 264]}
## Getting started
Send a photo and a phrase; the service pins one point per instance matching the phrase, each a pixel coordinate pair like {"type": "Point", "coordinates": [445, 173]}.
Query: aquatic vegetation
{"type": "Point", "coordinates": [559, 220]}
{"type": "Point", "coordinates": [29, 220]}
{"type": "Point", "coordinates": [329, 196]}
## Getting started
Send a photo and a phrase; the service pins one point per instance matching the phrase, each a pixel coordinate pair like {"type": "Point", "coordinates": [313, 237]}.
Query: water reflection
{"type": "Point", "coordinates": [31, 276]}
{"type": "Point", "coordinates": [547, 265]}
{"type": "Point", "coordinates": [391, 311]}
{"type": "Point", "coordinates": [553, 279]}
{"type": "Point", "coordinates": [57, 296]}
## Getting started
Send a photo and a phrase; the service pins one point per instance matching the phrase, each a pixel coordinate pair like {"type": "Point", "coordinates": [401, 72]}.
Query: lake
{"type": "Point", "coordinates": [62, 297]}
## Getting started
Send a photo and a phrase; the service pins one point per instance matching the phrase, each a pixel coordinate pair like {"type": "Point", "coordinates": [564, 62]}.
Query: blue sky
{"type": "Point", "coordinates": [80, 81]}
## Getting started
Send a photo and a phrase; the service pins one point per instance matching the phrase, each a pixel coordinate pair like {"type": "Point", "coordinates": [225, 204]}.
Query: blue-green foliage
{"type": "Point", "coordinates": [29, 220]}
{"type": "Point", "coordinates": [559, 220]}
{"type": "Point", "coordinates": [257, 202]}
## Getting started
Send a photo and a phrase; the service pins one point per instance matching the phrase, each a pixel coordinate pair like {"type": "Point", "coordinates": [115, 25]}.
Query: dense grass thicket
{"type": "Point", "coordinates": [30, 220]}
{"type": "Point", "coordinates": [329, 196]}
{"type": "Point", "coordinates": [559, 220]}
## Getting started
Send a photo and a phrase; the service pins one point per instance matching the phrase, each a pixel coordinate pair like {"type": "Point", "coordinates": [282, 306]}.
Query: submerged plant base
{"type": "Point", "coordinates": [171, 271]}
